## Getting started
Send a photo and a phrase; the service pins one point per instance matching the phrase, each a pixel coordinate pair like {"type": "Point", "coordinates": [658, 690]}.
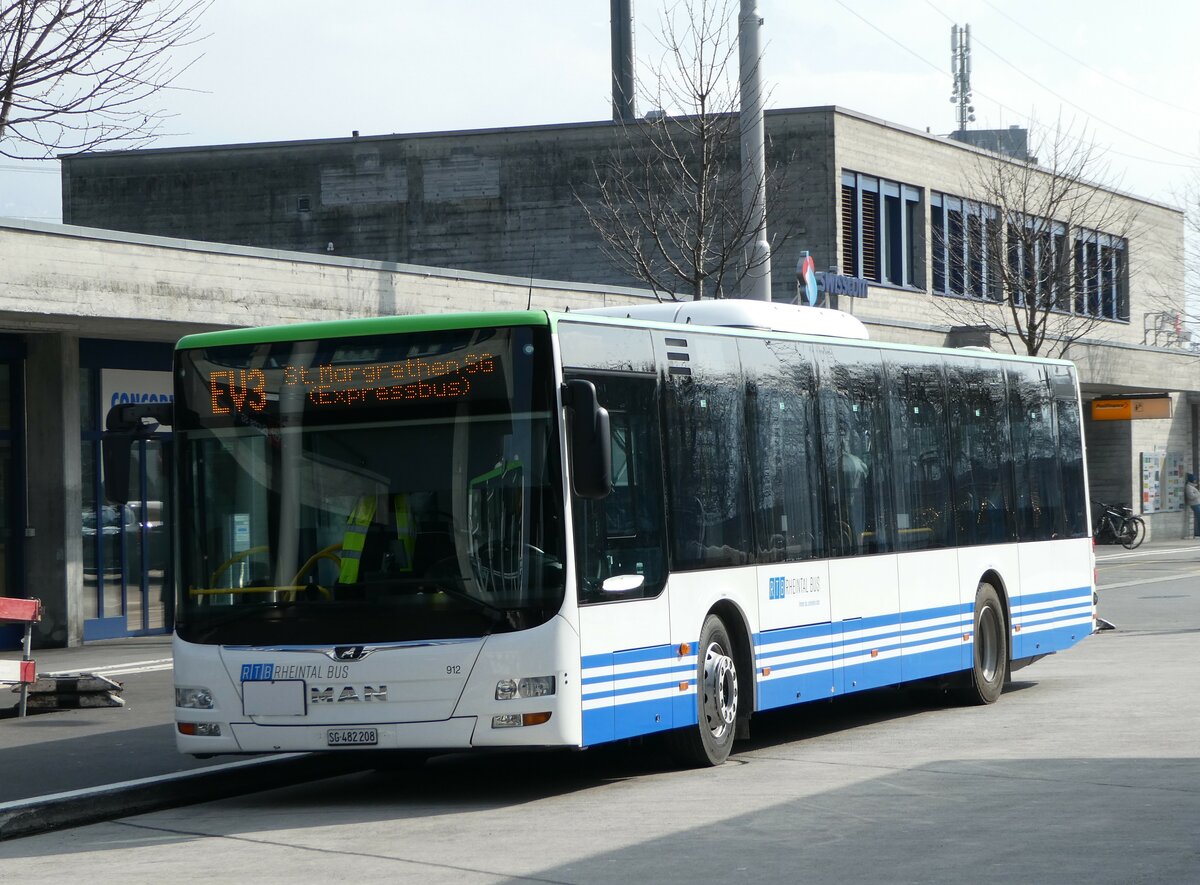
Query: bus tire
{"type": "Point", "coordinates": [985, 679]}
{"type": "Point", "coordinates": [709, 741]}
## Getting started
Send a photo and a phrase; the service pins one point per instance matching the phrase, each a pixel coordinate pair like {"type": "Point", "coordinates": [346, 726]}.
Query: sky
{"type": "Point", "coordinates": [1124, 76]}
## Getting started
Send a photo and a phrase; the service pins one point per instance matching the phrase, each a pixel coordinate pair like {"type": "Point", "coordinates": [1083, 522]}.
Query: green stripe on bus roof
{"type": "Point", "coordinates": [364, 326]}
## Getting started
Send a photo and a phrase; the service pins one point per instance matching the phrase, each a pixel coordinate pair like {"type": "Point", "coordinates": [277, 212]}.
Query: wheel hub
{"type": "Point", "coordinates": [720, 690]}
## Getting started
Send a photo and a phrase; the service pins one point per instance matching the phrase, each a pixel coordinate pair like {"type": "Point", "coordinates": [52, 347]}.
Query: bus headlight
{"type": "Point", "coordinates": [526, 687]}
{"type": "Point", "coordinates": [194, 698]}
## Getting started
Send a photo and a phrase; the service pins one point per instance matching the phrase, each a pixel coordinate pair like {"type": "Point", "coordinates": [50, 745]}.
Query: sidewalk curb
{"type": "Point", "coordinates": [42, 814]}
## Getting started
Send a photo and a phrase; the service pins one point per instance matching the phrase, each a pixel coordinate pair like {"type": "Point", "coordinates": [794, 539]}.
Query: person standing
{"type": "Point", "coordinates": [1191, 497]}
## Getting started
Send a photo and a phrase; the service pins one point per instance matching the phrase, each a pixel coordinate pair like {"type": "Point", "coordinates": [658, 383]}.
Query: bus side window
{"type": "Point", "coordinates": [920, 448]}
{"type": "Point", "coordinates": [856, 451]}
{"type": "Point", "coordinates": [705, 422]}
{"type": "Point", "coordinates": [1070, 449]}
{"type": "Point", "coordinates": [785, 479]}
{"type": "Point", "coordinates": [622, 534]}
{"type": "Point", "coordinates": [1036, 461]}
{"type": "Point", "coordinates": [981, 452]}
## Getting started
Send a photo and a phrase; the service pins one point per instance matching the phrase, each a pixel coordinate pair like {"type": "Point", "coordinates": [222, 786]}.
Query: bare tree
{"type": "Point", "coordinates": [667, 201]}
{"type": "Point", "coordinates": [1036, 251]}
{"type": "Point", "coordinates": [76, 74]}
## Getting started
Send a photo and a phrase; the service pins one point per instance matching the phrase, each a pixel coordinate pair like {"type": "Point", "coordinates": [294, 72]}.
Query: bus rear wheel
{"type": "Point", "coordinates": [710, 740]}
{"type": "Point", "coordinates": [985, 679]}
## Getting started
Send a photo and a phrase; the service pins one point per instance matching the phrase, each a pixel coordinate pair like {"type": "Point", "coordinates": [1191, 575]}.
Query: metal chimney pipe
{"type": "Point", "coordinates": [757, 284]}
{"type": "Point", "coordinates": [622, 60]}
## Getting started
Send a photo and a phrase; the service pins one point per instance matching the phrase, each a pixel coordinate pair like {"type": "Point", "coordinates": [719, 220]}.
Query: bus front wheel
{"type": "Point", "coordinates": [710, 740]}
{"type": "Point", "coordinates": [985, 679]}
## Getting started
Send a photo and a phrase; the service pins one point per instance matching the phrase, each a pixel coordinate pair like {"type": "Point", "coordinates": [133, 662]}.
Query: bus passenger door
{"type": "Point", "coordinates": [630, 672]}
{"type": "Point", "coordinates": [796, 646]}
{"type": "Point", "coordinates": [862, 537]}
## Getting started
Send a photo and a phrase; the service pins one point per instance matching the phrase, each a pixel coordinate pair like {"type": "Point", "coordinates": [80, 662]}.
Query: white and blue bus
{"type": "Point", "coordinates": [561, 530]}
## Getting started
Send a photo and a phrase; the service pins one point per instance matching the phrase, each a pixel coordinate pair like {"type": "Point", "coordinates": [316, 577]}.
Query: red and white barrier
{"type": "Point", "coordinates": [18, 671]}
{"type": "Point", "coordinates": [24, 671]}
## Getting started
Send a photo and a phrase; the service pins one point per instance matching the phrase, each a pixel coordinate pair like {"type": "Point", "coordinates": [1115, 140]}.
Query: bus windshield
{"type": "Point", "coordinates": [393, 488]}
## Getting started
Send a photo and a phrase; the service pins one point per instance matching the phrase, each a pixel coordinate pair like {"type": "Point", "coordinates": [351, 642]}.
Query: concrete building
{"type": "Point", "coordinates": [342, 227]}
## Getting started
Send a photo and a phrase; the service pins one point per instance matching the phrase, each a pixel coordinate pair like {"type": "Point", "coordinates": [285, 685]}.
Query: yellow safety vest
{"type": "Point", "coordinates": [358, 523]}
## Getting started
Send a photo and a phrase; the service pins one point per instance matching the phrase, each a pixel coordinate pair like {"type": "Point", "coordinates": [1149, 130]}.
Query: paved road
{"type": "Point", "coordinates": [1086, 771]}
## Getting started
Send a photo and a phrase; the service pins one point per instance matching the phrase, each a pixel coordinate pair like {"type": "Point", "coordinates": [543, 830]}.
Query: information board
{"type": "Point", "coordinates": [1162, 482]}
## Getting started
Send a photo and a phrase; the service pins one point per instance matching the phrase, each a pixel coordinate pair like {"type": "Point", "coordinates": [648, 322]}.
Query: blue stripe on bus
{"type": "Point", "coordinates": [1056, 638]}
{"type": "Point", "coordinates": [1048, 628]}
{"type": "Point", "coordinates": [1050, 596]}
{"type": "Point", "coordinates": [819, 661]}
{"type": "Point", "coordinates": [602, 724]}
{"type": "Point", "coordinates": [1054, 614]}
{"type": "Point", "coordinates": [633, 656]}
{"type": "Point", "coordinates": [670, 681]}
{"type": "Point", "coordinates": [685, 666]}
{"type": "Point", "coordinates": [1044, 620]}
{"type": "Point", "coordinates": [614, 692]}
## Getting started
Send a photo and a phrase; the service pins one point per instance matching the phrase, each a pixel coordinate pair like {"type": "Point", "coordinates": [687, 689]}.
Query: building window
{"type": "Point", "coordinates": [964, 240]}
{"type": "Point", "coordinates": [879, 230]}
{"type": "Point", "coordinates": [1039, 263]}
{"type": "Point", "coordinates": [1101, 287]}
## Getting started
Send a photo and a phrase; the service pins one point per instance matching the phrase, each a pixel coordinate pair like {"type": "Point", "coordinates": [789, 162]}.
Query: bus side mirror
{"type": "Point", "coordinates": [590, 440]}
{"type": "Point", "coordinates": [124, 424]}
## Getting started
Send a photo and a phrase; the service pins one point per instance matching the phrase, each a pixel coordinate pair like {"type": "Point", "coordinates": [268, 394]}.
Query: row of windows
{"type": "Point", "coordinates": [1078, 271]}
{"type": "Point", "coordinates": [1081, 271]}
{"type": "Point", "coordinates": [781, 451]}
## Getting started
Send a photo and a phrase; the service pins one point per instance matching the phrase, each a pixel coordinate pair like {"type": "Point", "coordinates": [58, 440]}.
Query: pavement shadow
{"type": "Point", "coordinates": [995, 820]}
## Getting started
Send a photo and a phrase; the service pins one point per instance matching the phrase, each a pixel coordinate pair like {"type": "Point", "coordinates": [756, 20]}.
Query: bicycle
{"type": "Point", "coordinates": [1118, 525]}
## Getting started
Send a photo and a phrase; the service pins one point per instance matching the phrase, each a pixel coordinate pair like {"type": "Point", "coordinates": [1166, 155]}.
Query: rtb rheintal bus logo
{"type": "Point", "coordinates": [781, 587]}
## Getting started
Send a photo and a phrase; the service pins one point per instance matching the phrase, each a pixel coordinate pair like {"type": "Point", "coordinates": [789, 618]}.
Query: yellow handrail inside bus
{"type": "Point", "coordinates": [217, 591]}
{"type": "Point", "coordinates": [236, 558]}
{"type": "Point", "coordinates": [327, 553]}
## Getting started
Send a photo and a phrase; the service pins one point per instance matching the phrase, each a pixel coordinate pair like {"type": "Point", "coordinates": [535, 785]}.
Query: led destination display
{"type": "Point", "coordinates": [332, 385]}
{"type": "Point", "coordinates": [410, 379]}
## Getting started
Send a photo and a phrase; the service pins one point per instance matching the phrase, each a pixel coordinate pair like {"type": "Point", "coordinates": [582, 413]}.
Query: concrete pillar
{"type": "Point", "coordinates": [54, 539]}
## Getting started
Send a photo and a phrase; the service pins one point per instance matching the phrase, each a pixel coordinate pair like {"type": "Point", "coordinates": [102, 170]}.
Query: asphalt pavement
{"type": "Point", "coordinates": [74, 766]}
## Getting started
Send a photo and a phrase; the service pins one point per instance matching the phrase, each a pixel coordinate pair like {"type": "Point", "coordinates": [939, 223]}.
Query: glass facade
{"type": "Point", "coordinates": [127, 557]}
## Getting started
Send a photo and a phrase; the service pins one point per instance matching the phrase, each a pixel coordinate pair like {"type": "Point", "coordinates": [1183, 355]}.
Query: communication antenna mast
{"type": "Point", "coordinates": [960, 67]}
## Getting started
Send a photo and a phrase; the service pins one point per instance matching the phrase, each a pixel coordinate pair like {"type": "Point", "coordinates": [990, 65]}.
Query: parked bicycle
{"type": "Point", "coordinates": [1118, 525]}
